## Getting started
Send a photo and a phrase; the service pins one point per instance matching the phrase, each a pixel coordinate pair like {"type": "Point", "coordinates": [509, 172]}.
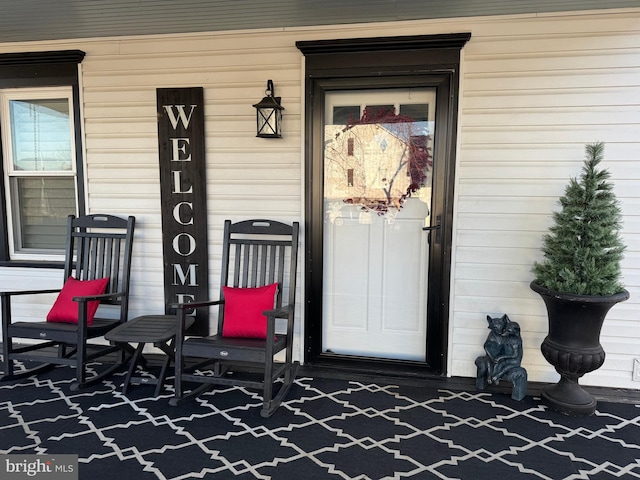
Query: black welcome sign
{"type": "Point", "coordinates": [183, 199]}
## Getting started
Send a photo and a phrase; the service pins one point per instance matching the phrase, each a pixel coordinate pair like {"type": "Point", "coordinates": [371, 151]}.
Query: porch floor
{"type": "Point", "coordinates": [330, 426]}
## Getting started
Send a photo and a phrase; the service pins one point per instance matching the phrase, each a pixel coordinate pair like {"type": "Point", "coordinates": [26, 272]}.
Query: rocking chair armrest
{"type": "Point", "coordinates": [282, 312]}
{"type": "Point", "coordinates": [181, 315]}
{"type": "Point", "coordinates": [102, 296]}
{"type": "Point", "coordinates": [191, 305]}
{"type": "Point", "coordinates": [28, 292]}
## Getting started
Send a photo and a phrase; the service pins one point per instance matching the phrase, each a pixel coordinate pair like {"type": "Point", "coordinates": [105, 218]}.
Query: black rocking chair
{"type": "Point", "coordinates": [259, 260]}
{"type": "Point", "coordinates": [98, 247]}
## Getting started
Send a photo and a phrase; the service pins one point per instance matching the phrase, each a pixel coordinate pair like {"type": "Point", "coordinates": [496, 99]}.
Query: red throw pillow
{"type": "Point", "coordinates": [65, 310]}
{"type": "Point", "coordinates": [243, 309]}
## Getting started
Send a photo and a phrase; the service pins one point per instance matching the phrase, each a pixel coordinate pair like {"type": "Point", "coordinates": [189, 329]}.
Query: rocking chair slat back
{"type": "Point", "coordinates": [257, 263]}
{"type": "Point", "coordinates": [96, 252]}
{"type": "Point", "coordinates": [255, 253]}
{"type": "Point", "coordinates": [97, 246]}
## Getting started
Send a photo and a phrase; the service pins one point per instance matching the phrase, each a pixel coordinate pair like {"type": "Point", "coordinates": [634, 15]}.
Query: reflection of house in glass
{"type": "Point", "coordinates": [41, 135]}
{"type": "Point", "coordinates": [378, 161]}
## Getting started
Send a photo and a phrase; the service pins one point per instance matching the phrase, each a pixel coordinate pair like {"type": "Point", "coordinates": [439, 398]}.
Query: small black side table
{"type": "Point", "coordinates": [157, 329]}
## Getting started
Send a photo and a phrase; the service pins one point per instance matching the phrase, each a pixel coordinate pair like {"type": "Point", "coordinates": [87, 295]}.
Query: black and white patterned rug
{"type": "Point", "coordinates": [326, 429]}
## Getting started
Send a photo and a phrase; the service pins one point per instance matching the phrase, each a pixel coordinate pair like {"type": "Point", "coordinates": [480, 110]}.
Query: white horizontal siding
{"type": "Point", "coordinates": [246, 176]}
{"type": "Point", "coordinates": [25, 308]}
{"type": "Point", "coordinates": [533, 93]}
{"type": "Point", "coordinates": [534, 90]}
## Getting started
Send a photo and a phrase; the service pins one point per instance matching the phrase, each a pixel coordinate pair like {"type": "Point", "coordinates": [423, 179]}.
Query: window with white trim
{"type": "Point", "coordinates": [39, 163]}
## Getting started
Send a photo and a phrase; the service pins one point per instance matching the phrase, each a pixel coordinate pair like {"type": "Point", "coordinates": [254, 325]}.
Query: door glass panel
{"type": "Point", "coordinates": [378, 172]}
{"type": "Point", "coordinates": [346, 115]}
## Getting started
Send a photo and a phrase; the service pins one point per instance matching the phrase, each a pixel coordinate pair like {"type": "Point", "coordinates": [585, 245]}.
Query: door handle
{"type": "Point", "coordinates": [435, 228]}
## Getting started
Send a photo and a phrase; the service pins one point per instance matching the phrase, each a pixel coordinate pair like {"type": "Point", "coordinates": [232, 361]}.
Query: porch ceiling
{"type": "Point", "coordinates": [32, 20]}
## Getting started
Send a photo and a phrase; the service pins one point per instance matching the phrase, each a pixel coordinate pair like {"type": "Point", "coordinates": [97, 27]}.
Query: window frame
{"type": "Point", "coordinates": [12, 176]}
{"type": "Point", "coordinates": [41, 70]}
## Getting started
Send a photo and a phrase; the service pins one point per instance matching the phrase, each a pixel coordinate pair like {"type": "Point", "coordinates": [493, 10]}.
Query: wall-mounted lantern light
{"type": "Point", "coordinates": [269, 114]}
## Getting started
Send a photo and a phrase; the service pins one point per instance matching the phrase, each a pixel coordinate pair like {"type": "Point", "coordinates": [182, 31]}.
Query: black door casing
{"type": "Point", "coordinates": [385, 62]}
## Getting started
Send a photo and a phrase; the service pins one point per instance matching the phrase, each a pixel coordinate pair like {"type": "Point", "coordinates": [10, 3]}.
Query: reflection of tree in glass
{"type": "Point", "coordinates": [387, 157]}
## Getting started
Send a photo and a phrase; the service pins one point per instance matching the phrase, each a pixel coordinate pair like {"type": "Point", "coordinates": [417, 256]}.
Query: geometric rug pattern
{"type": "Point", "coordinates": [326, 429]}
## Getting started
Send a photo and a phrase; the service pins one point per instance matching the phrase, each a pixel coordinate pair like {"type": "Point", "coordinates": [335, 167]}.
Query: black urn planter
{"type": "Point", "coordinates": [573, 345]}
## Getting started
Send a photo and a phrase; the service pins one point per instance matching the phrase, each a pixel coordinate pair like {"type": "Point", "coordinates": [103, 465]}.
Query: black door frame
{"type": "Point", "coordinates": [385, 62]}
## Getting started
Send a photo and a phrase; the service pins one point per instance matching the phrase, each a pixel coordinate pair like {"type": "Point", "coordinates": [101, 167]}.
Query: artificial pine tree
{"type": "Point", "coordinates": [583, 249]}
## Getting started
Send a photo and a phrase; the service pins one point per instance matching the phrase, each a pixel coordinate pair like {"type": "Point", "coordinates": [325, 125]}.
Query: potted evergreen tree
{"type": "Point", "coordinates": [579, 280]}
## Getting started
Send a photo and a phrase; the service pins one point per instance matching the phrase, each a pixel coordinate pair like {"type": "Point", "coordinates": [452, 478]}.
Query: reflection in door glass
{"type": "Point", "coordinates": [346, 115]}
{"type": "Point", "coordinates": [419, 112]}
{"type": "Point", "coordinates": [396, 142]}
{"type": "Point", "coordinates": [378, 170]}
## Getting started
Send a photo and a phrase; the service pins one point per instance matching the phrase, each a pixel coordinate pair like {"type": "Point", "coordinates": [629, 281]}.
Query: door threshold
{"type": "Point", "coordinates": [347, 367]}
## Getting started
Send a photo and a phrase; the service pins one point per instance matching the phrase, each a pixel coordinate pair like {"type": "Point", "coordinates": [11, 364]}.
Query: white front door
{"type": "Point", "coordinates": [378, 167]}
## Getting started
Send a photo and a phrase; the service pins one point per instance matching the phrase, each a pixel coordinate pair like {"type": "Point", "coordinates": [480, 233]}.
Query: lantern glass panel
{"type": "Point", "coordinates": [269, 122]}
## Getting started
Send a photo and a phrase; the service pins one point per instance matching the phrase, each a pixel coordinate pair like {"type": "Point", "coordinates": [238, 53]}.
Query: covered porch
{"type": "Point", "coordinates": [536, 82]}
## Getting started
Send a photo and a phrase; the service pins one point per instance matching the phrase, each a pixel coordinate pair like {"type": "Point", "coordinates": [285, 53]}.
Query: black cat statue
{"type": "Point", "coordinates": [503, 348]}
